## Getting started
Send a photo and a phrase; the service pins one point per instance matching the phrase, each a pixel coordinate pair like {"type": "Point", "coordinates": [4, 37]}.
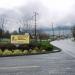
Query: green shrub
{"type": "Point", "coordinates": [37, 49]}
{"type": "Point", "coordinates": [17, 52]}
{"type": "Point", "coordinates": [1, 52]}
{"type": "Point", "coordinates": [25, 52]}
{"type": "Point", "coordinates": [24, 46]}
{"type": "Point", "coordinates": [34, 52]}
{"type": "Point", "coordinates": [43, 51]}
{"type": "Point", "coordinates": [41, 48]}
{"type": "Point", "coordinates": [7, 52]}
{"type": "Point", "coordinates": [46, 46]}
{"type": "Point", "coordinates": [49, 47]}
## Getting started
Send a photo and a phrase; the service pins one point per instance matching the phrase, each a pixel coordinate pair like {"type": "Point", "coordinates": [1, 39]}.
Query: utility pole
{"type": "Point", "coordinates": [19, 30]}
{"type": "Point", "coordinates": [59, 31]}
{"type": "Point", "coordinates": [63, 32]}
{"type": "Point", "coordinates": [27, 26]}
{"type": "Point", "coordinates": [35, 14]}
{"type": "Point", "coordinates": [53, 30]}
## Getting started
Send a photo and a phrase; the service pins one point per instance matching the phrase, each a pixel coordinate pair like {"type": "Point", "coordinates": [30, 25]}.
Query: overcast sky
{"type": "Point", "coordinates": [59, 12]}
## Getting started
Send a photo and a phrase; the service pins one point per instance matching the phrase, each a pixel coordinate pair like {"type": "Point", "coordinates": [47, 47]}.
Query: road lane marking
{"type": "Point", "coordinates": [68, 68]}
{"type": "Point", "coordinates": [18, 67]}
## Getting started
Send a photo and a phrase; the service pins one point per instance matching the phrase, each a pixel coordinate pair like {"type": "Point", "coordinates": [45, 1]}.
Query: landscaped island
{"type": "Point", "coordinates": [34, 47]}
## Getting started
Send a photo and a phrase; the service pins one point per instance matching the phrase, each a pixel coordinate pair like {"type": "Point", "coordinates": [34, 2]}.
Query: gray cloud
{"type": "Point", "coordinates": [44, 19]}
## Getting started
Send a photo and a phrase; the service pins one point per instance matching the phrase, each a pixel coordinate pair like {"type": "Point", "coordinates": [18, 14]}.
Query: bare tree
{"type": "Point", "coordinates": [3, 22]}
{"type": "Point", "coordinates": [23, 24]}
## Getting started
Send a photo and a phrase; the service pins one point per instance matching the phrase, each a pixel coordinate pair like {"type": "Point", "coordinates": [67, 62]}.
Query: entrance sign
{"type": "Point", "coordinates": [20, 39]}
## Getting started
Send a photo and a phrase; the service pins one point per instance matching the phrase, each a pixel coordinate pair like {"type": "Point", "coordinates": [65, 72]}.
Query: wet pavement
{"type": "Point", "coordinates": [60, 63]}
{"type": "Point", "coordinates": [66, 45]}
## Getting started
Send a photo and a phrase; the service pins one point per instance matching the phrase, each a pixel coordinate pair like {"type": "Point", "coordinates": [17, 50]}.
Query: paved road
{"type": "Point", "coordinates": [60, 63]}
{"type": "Point", "coordinates": [66, 45]}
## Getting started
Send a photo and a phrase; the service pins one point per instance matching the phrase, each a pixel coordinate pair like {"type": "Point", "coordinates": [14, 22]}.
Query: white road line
{"type": "Point", "coordinates": [18, 67]}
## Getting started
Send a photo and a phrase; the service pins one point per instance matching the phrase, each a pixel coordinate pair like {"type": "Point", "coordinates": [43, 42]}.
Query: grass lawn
{"type": "Point", "coordinates": [44, 42]}
{"type": "Point", "coordinates": [4, 41]}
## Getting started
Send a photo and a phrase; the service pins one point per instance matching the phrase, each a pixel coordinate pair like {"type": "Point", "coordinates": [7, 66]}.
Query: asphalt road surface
{"type": "Point", "coordinates": [61, 63]}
